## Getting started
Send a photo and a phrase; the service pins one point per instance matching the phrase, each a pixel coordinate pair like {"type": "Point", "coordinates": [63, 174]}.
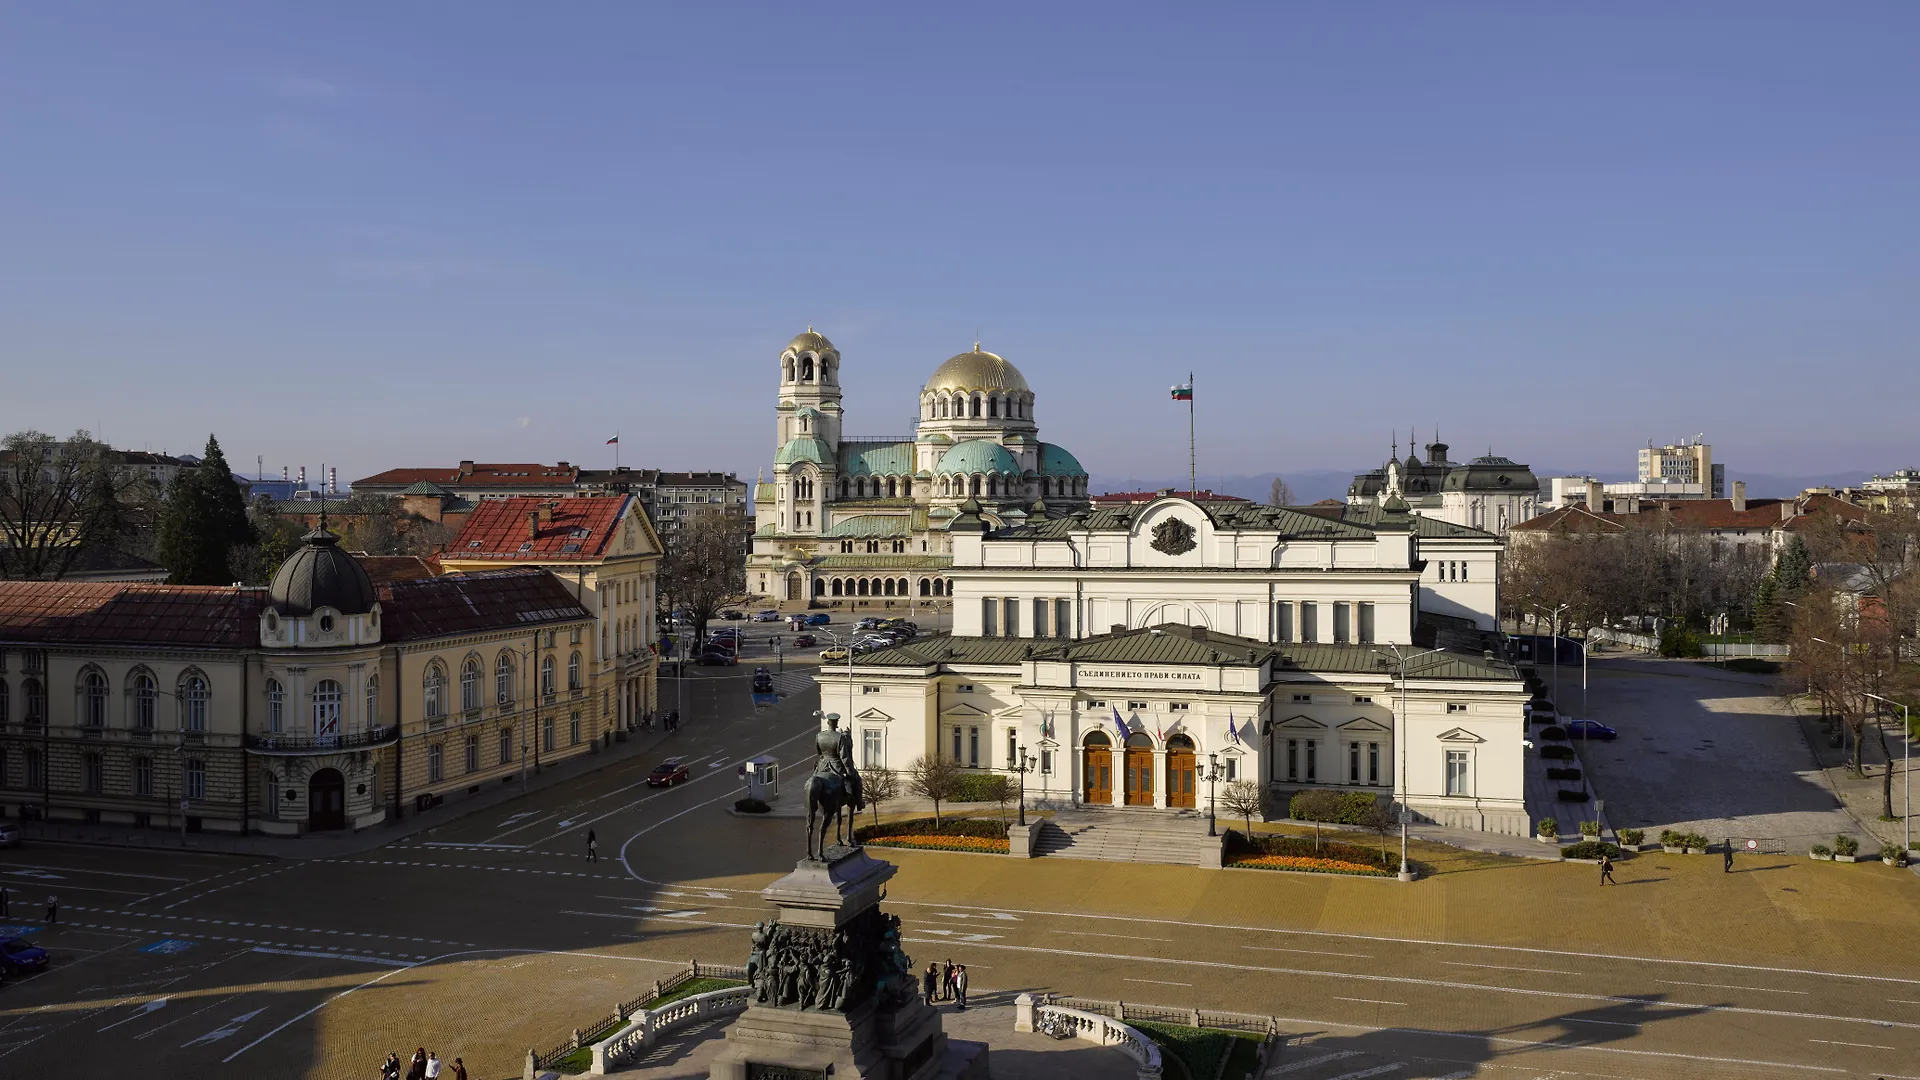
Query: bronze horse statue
{"type": "Point", "coordinates": [834, 790]}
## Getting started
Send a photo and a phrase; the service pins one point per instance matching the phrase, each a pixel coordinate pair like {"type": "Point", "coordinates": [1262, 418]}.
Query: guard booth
{"type": "Point", "coordinates": [762, 777]}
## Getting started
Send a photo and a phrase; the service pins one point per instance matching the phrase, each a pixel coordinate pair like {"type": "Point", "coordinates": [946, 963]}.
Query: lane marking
{"type": "Point", "coordinates": [108, 873]}
{"type": "Point", "coordinates": [1724, 986]}
{"type": "Point", "coordinates": [1503, 967]}
{"type": "Point", "coordinates": [149, 1007]}
{"type": "Point", "coordinates": [1865, 1046]}
{"type": "Point", "coordinates": [1270, 948]}
{"type": "Point", "coordinates": [1127, 937]}
{"type": "Point", "coordinates": [1378, 1070]}
{"type": "Point", "coordinates": [1309, 1063]}
{"type": "Point", "coordinates": [1161, 982]}
{"type": "Point", "coordinates": [1372, 1001]}
{"type": "Point", "coordinates": [328, 955]}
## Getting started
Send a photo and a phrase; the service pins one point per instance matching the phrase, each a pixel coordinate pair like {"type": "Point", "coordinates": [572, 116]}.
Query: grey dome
{"type": "Point", "coordinates": [321, 575]}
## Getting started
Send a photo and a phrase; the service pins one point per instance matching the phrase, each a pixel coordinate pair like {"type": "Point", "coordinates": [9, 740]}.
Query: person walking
{"type": "Point", "coordinates": [417, 1068]}
{"type": "Point", "coordinates": [946, 981]}
{"type": "Point", "coordinates": [593, 853]}
{"type": "Point", "coordinates": [960, 986]}
{"type": "Point", "coordinates": [1726, 867]}
{"type": "Point", "coordinates": [53, 908]}
{"type": "Point", "coordinates": [928, 981]}
{"type": "Point", "coordinates": [433, 1066]}
{"type": "Point", "coordinates": [459, 1070]}
{"type": "Point", "coordinates": [1606, 869]}
{"type": "Point", "coordinates": [390, 1068]}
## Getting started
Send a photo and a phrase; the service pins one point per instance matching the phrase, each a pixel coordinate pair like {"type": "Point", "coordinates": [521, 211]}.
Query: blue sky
{"type": "Point", "coordinates": [383, 235]}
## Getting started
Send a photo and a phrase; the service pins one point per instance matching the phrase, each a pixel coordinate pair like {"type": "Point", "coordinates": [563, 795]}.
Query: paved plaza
{"type": "Point", "coordinates": [491, 933]}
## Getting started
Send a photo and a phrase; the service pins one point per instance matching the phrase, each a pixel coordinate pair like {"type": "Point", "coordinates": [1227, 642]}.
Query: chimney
{"type": "Point", "coordinates": [333, 480]}
{"type": "Point", "coordinates": [303, 476]}
{"type": "Point", "coordinates": [1786, 509]}
{"type": "Point", "coordinates": [1739, 496]}
{"type": "Point", "coordinates": [1596, 497]}
{"type": "Point", "coordinates": [546, 514]}
{"type": "Point", "coordinates": [1197, 633]}
{"type": "Point", "coordinates": [1117, 628]}
{"type": "Point", "coordinates": [466, 468]}
{"type": "Point", "coordinates": [283, 473]}
{"type": "Point", "coordinates": [533, 524]}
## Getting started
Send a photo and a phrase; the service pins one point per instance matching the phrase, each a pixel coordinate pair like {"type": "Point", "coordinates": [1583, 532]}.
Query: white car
{"type": "Point", "coordinates": [9, 834]}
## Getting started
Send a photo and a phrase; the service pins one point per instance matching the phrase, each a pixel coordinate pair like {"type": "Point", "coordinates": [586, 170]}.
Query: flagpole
{"type": "Point", "coordinates": [1192, 483]}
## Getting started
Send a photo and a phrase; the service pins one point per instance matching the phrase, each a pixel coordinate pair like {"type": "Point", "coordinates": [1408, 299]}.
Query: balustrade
{"type": "Point", "coordinates": [648, 1025]}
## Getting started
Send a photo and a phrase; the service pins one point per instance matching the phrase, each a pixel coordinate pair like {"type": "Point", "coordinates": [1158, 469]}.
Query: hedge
{"type": "Point", "coordinates": [1590, 849]}
{"type": "Point", "coordinates": [1201, 1050]}
{"type": "Point", "coordinates": [982, 827]}
{"type": "Point", "coordinates": [979, 788]}
{"type": "Point", "coordinates": [1571, 796]}
{"type": "Point", "coordinates": [1558, 753]}
{"type": "Point", "coordinates": [1554, 732]}
{"type": "Point", "coordinates": [1344, 808]}
{"type": "Point", "coordinates": [1572, 775]}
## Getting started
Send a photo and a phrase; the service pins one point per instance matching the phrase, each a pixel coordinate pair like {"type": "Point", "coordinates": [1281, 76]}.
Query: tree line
{"type": "Point", "coordinates": [1602, 573]}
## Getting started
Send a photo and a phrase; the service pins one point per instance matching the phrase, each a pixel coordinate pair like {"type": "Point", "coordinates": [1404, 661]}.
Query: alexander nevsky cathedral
{"type": "Point", "coordinates": [846, 516]}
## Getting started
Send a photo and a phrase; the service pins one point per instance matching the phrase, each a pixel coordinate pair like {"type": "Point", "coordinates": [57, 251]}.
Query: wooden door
{"type": "Point", "coordinates": [1180, 778]}
{"type": "Point", "coordinates": [326, 801]}
{"type": "Point", "coordinates": [1139, 776]}
{"type": "Point", "coordinates": [1097, 774]}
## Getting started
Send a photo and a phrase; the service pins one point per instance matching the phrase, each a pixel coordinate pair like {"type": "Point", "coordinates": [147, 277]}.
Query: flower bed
{"type": "Point", "coordinates": [981, 844]}
{"type": "Point", "coordinates": [1300, 853]}
{"type": "Point", "coordinates": [951, 834]}
{"type": "Point", "coordinates": [1307, 864]}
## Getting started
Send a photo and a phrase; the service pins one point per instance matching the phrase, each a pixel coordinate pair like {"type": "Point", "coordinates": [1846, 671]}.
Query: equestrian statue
{"type": "Point", "coordinates": [834, 789]}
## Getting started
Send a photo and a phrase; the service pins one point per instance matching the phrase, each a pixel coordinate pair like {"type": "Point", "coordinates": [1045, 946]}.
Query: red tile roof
{"type": "Point", "coordinates": [470, 603]}
{"type": "Point", "coordinates": [384, 569]}
{"type": "Point", "coordinates": [471, 475]}
{"type": "Point", "coordinates": [1700, 514]}
{"type": "Point", "coordinates": [568, 530]}
{"type": "Point", "coordinates": [113, 613]}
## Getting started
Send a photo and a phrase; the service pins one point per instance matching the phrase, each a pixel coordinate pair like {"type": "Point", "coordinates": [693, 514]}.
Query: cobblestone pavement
{"type": "Point", "coordinates": [492, 934]}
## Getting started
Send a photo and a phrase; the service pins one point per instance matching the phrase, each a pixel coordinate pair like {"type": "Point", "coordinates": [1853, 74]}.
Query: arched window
{"type": "Point", "coordinates": [976, 485]}
{"type": "Point", "coordinates": [835, 590]}
{"type": "Point", "coordinates": [888, 587]}
{"type": "Point", "coordinates": [146, 695]}
{"type": "Point", "coordinates": [326, 707]}
{"type": "Point", "coordinates": [976, 405]}
{"type": "Point", "coordinates": [373, 702]}
{"type": "Point", "coordinates": [503, 680]}
{"type": "Point", "coordinates": [546, 676]}
{"type": "Point", "coordinates": [993, 485]}
{"type": "Point", "coordinates": [93, 699]}
{"type": "Point", "coordinates": [436, 691]}
{"type": "Point", "coordinates": [193, 702]}
{"type": "Point", "coordinates": [863, 586]}
{"type": "Point", "coordinates": [573, 671]}
{"type": "Point", "coordinates": [923, 587]}
{"type": "Point", "coordinates": [470, 684]}
{"type": "Point", "coordinates": [276, 707]}
{"type": "Point", "coordinates": [819, 587]}
{"type": "Point", "coordinates": [959, 406]}
{"type": "Point", "coordinates": [786, 369]}
{"type": "Point", "coordinates": [806, 369]}
{"type": "Point", "coordinates": [943, 408]}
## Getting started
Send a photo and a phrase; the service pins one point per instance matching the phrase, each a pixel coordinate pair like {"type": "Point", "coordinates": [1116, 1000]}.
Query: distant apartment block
{"type": "Point", "coordinates": [1688, 464]}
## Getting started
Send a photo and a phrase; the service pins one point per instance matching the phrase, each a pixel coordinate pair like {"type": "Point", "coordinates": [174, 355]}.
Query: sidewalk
{"type": "Point", "coordinates": [337, 844]}
{"type": "Point", "coordinates": [1860, 796]}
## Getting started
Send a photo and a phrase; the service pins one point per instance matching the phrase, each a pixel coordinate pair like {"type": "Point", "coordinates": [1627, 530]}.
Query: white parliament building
{"type": "Point", "coordinates": [1126, 647]}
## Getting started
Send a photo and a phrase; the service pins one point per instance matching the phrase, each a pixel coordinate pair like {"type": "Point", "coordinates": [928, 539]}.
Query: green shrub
{"type": "Point", "coordinates": [1239, 843]}
{"type": "Point", "coordinates": [1821, 849]}
{"type": "Point", "coordinates": [1633, 836]}
{"type": "Point", "coordinates": [1548, 827]}
{"type": "Point", "coordinates": [1681, 642]}
{"type": "Point", "coordinates": [988, 828]}
{"type": "Point", "coordinates": [1846, 845]}
{"type": "Point", "coordinates": [1590, 849]}
{"type": "Point", "coordinates": [1569, 775]}
{"type": "Point", "coordinates": [1554, 732]}
{"type": "Point", "coordinates": [1893, 853]}
{"type": "Point", "coordinates": [1199, 1049]}
{"type": "Point", "coordinates": [1570, 796]}
{"type": "Point", "coordinates": [1557, 753]}
{"type": "Point", "coordinates": [979, 788]}
{"type": "Point", "coordinates": [751, 806]}
{"type": "Point", "coordinates": [1696, 841]}
{"type": "Point", "coordinates": [1753, 666]}
{"type": "Point", "coordinates": [1589, 828]}
{"type": "Point", "coordinates": [1336, 807]}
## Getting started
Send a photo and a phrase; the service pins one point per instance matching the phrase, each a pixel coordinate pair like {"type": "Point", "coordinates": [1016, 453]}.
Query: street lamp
{"type": "Point", "coordinates": [780, 657]}
{"type": "Point", "coordinates": [1400, 737]}
{"type": "Point", "coordinates": [1906, 770]}
{"type": "Point", "coordinates": [1213, 772]}
{"type": "Point", "coordinates": [1537, 609]}
{"type": "Point", "coordinates": [848, 645]}
{"type": "Point", "coordinates": [1024, 767]}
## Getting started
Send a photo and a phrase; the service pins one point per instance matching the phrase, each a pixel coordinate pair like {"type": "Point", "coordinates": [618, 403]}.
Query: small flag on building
{"type": "Point", "coordinates": [1183, 393]}
{"type": "Point", "coordinates": [1233, 729]}
{"type": "Point", "coordinates": [613, 441]}
{"type": "Point", "coordinates": [1119, 724]}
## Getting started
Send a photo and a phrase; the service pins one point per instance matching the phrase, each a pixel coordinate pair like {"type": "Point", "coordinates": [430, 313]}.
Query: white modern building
{"type": "Point", "coordinates": [1127, 647]}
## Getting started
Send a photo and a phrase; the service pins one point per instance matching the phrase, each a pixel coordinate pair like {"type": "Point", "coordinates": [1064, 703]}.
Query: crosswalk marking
{"type": "Point", "coordinates": [1309, 1063]}
{"type": "Point", "coordinates": [1378, 1070]}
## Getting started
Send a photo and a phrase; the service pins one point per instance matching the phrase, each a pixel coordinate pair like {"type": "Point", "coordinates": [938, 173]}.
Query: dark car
{"type": "Point", "coordinates": [718, 658]}
{"type": "Point", "coordinates": [867, 623]}
{"type": "Point", "coordinates": [668, 773]}
{"type": "Point", "coordinates": [805, 640]}
{"type": "Point", "coordinates": [1591, 729]}
{"type": "Point", "coordinates": [819, 618]}
{"type": "Point", "coordinates": [762, 681]}
{"type": "Point", "coordinates": [16, 955]}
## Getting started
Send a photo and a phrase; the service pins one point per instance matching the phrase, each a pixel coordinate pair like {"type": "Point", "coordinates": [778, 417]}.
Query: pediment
{"type": "Point", "coordinates": [963, 709]}
{"type": "Point", "coordinates": [873, 714]}
{"type": "Point", "coordinates": [1460, 734]}
{"type": "Point", "coordinates": [1366, 724]}
{"type": "Point", "coordinates": [1301, 723]}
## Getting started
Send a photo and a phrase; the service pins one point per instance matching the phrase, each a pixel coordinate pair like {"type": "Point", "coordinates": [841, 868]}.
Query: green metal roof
{"type": "Point", "coordinates": [871, 526]}
{"type": "Point", "coordinates": [977, 456]}
{"type": "Point", "coordinates": [883, 562]}
{"type": "Point", "coordinates": [876, 459]}
{"type": "Point", "coordinates": [1055, 461]}
{"type": "Point", "coordinates": [1249, 516]}
{"type": "Point", "coordinates": [425, 487]}
{"type": "Point", "coordinates": [798, 450]}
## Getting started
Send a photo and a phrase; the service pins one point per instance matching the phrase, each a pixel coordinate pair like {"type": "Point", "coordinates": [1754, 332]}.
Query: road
{"type": "Point", "coordinates": [493, 933]}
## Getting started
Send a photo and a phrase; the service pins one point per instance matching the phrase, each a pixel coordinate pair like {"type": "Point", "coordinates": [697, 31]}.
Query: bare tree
{"type": "Point", "coordinates": [705, 565]}
{"type": "Point", "coordinates": [1279, 494]}
{"type": "Point", "coordinates": [931, 776]}
{"type": "Point", "coordinates": [59, 498]}
{"type": "Point", "coordinates": [1000, 790]}
{"type": "Point", "coordinates": [1243, 797]}
{"type": "Point", "coordinates": [1380, 820]}
{"type": "Point", "coordinates": [879, 785]}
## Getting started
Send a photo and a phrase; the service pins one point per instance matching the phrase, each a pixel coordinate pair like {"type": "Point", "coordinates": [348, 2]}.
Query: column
{"type": "Point", "coordinates": [1160, 777]}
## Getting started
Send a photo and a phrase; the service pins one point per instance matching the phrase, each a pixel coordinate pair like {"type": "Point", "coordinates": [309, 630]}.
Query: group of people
{"type": "Point", "coordinates": [670, 722]}
{"type": "Point", "coordinates": [945, 983]}
{"type": "Point", "coordinates": [422, 1066]}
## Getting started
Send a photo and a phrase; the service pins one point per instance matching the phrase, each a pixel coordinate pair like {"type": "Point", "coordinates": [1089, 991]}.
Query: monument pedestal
{"type": "Point", "coordinates": [832, 947]}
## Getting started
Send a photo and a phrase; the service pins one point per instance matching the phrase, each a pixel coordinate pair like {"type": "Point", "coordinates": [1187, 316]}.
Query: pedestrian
{"type": "Point", "coordinates": [417, 1068]}
{"type": "Point", "coordinates": [928, 981]}
{"type": "Point", "coordinates": [53, 908]}
{"type": "Point", "coordinates": [459, 1070]}
{"type": "Point", "coordinates": [1726, 867]}
{"type": "Point", "coordinates": [1606, 870]}
{"type": "Point", "coordinates": [593, 853]}
{"type": "Point", "coordinates": [960, 986]}
{"type": "Point", "coordinates": [946, 982]}
{"type": "Point", "coordinates": [433, 1067]}
{"type": "Point", "coordinates": [390, 1068]}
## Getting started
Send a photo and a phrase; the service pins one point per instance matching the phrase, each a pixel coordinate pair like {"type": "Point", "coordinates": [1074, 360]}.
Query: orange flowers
{"type": "Point", "coordinates": [1308, 864]}
{"type": "Point", "coordinates": [943, 843]}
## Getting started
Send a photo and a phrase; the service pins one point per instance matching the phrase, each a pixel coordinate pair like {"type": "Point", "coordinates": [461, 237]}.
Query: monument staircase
{"type": "Point", "coordinates": [1178, 837]}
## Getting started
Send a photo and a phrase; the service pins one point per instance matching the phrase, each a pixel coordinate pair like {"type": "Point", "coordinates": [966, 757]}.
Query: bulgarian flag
{"type": "Point", "coordinates": [1184, 392]}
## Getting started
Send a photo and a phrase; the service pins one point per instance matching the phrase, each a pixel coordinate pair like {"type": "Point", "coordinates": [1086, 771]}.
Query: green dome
{"type": "Point", "coordinates": [1055, 461]}
{"type": "Point", "coordinates": [798, 450]}
{"type": "Point", "coordinates": [977, 456]}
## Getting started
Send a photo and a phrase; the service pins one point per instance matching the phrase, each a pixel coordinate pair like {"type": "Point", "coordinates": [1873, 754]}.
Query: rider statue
{"type": "Point", "coordinates": [835, 785]}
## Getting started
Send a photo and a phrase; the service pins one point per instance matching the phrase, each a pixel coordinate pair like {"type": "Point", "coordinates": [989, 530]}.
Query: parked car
{"type": "Point", "coordinates": [9, 834]}
{"type": "Point", "coordinates": [867, 623]}
{"type": "Point", "coordinates": [762, 681]}
{"type": "Point", "coordinates": [17, 955]}
{"type": "Point", "coordinates": [768, 615]}
{"type": "Point", "coordinates": [730, 613]}
{"type": "Point", "coordinates": [835, 652]}
{"type": "Point", "coordinates": [725, 633]}
{"type": "Point", "coordinates": [1591, 729]}
{"type": "Point", "coordinates": [805, 640]}
{"type": "Point", "coordinates": [668, 773]}
{"type": "Point", "coordinates": [819, 618]}
{"type": "Point", "coordinates": [718, 658]}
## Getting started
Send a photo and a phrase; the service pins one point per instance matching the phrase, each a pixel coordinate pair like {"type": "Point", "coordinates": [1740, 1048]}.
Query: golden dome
{"type": "Point", "coordinates": [810, 342]}
{"type": "Point", "coordinates": [977, 370]}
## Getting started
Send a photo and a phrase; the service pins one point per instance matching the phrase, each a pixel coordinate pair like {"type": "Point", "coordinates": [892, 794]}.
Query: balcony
{"type": "Point", "coordinates": [290, 745]}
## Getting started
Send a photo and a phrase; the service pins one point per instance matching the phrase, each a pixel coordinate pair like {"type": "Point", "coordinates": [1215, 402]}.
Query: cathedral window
{"type": "Point", "coordinates": [993, 405]}
{"type": "Point", "coordinates": [943, 408]}
{"type": "Point", "coordinates": [976, 405]}
{"type": "Point", "coordinates": [976, 485]}
{"type": "Point", "coordinates": [846, 547]}
{"type": "Point", "coordinates": [806, 369]}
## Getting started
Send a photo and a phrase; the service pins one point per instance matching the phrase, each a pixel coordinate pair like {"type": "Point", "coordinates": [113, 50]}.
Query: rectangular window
{"type": "Point", "coordinates": [1063, 618]}
{"type": "Point", "coordinates": [1353, 763]}
{"type": "Point", "coordinates": [872, 750]}
{"type": "Point", "coordinates": [143, 776]}
{"type": "Point", "coordinates": [1457, 772]}
{"type": "Point", "coordinates": [1342, 623]}
{"type": "Point", "coordinates": [33, 768]}
{"type": "Point", "coordinates": [573, 729]}
{"type": "Point", "coordinates": [546, 734]}
{"type": "Point", "coordinates": [196, 779]}
{"type": "Point", "coordinates": [1463, 571]}
{"type": "Point", "coordinates": [1040, 608]}
{"type": "Point", "coordinates": [1283, 621]}
{"type": "Point", "coordinates": [1176, 706]}
{"type": "Point", "coordinates": [869, 689]}
{"type": "Point", "coordinates": [1013, 748]}
{"type": "Point", "coordinates": [436, 763]}
{"type": "Point", "coordinates": [1309, 622]}
{"type": "Point", "coordinates": [506, 745]}
{"type": "Point", "coordinates": [1366, 623]}
{"type": "Point", "coordinates": [1096, 703]}
{"type": "Point", "coordinates": [963, 688]}
{"type": "Point", "coordinates": [989, 608]}
{"type": "Point", "coordinates": [1373, 763]}
{"type": "Point", "coordinates": [1046, 762]}
{"type": "Point", "coordinates": [1313, 761]}
{"type": "Point", "coordinates": [92, 774]}
{"type": "Point", "coordinates": [1233, 769]}
{"type": "Point", "coordinates": [1363, 701]}
{"type": "Point", "coordinates": [956, 747]}
{"type": "Point", "coordinates": [1293, 759]}
{"type": "Point", "coordinates": [1136, 706]}
{"type": "Point", "coordinates": [473, 753]}
{"type": "Point", "coordinates": [1456, 706]}
{"type": "Point", "coordinates": [1303, 699]}
{"type": "Point", "coordinates": [1013, 617]}
{"type": "Point", "coordinates": [973, 748]}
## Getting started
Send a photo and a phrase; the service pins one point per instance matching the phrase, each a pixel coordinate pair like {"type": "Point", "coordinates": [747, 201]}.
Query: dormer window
{"type": "Point", "coordinates": [526, 547]}
{"type": "Point", "coordinates": [273, 623]}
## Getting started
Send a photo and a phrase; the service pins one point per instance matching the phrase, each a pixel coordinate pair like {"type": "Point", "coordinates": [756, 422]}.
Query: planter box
{"type": "Point", "coordinates": [1696, 851]}
{"type": "Point", "coordinates": [1819, 858]}
{"type": "Point", "coordinates": [1639, 847]}
{"type": "Point", "coordinates": [1846, 858]}
{"type": "Point", "coordinates": [1894, 862]}
{"type": "Point", "coordinates": [1548, 839]}
{"type": "Point", "coordinates": [1673, 850]}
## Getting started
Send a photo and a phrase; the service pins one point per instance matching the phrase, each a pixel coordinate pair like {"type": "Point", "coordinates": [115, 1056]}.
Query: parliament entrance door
{"type": "Point", "coordinates": [326, 801]}
{"type": "Point", "coordinates": [1180, 761]}
{"type": "Point", "coordinates": [1139, 776]}
{"type": "Point", "coordinates": [1096, 771]}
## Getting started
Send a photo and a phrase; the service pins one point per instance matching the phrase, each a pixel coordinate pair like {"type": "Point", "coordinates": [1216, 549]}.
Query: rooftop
{"type": "Point", "coordinates": [469, 474]}
{"type": "Point", "coordinates": [469, 603]}
{"type": "Point", "coordinates": [530, 529]}
{"type": "Point", "coordinates": [109, 613]}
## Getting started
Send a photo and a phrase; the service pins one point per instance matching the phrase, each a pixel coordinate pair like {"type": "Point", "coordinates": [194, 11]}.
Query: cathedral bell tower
{"type": "Point", "coordinates": [808, 433]}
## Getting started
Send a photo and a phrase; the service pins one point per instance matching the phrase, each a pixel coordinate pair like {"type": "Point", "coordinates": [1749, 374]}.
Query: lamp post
{"type": "Point", "coordinates": [1556, 650]}
{"type": "Point", "coordinates": [1023, 768]}
{"type": "Point", "coordinates": [1906, 770]}
{"type": "Point", "coordinates": [1212, 777]}
{"type": "Point", "coordinates": [1400, 737]}
{"type": "Point", "coordinates": [847, 645]}
{"type": "Point", "coordinates": [780, 658]}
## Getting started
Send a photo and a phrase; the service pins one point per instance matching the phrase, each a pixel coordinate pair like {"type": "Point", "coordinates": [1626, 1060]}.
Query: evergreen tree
{"type": "Point", "coordinates": [1794, 570]}
{"type": "Point", "coordinates": [1769, 621]}
{"type": "Point", "coordinates": [203, 521]}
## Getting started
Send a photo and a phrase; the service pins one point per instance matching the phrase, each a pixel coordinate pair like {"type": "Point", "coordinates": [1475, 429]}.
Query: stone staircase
{"type": "Point", "coordinates": [1177, 837]}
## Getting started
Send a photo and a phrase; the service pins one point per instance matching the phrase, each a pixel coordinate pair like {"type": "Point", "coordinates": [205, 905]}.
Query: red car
{"type": "Point", "coordinates": [668, 773]}
{"type": "Point", "coordinates": [805, 640]}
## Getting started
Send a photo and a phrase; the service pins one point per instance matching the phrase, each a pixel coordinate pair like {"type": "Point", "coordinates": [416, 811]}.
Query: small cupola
{"type": "Point", "coordinates": [321, 596]}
